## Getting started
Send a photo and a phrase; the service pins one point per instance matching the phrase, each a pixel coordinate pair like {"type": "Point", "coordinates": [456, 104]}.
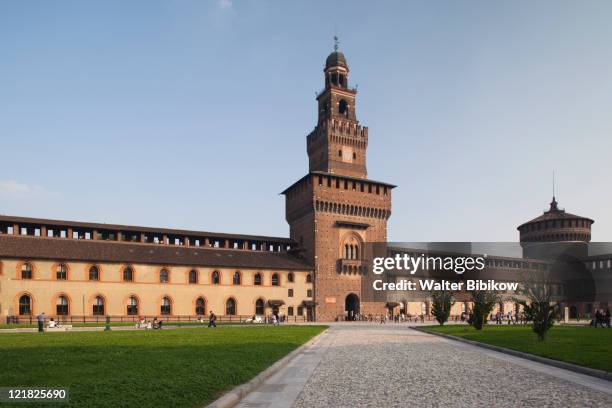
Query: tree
{"type": "Point", "coordinates": [483, 301]}
{"type": "Point", "coordinates": [441, 305]}
{"type": "Point", "coordinates": [540, 308]}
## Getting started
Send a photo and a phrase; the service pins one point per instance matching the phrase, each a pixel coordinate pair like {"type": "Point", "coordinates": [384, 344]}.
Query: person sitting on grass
{"type": "Point", "coordinates": [52, 323]}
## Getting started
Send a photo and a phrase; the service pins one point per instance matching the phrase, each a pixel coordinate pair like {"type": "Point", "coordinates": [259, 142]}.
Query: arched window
{"type": "Point", "coordinates": [98, 306]}
{"type": "Point", "coordinates": [132, 306]}
{"type": "Point", "coordinates": [236, 278]}
{"type": "Point", "coordinates": [230, 307]}
{"type": "Point", "coordinates": [25, 305]}
{"type": "Point", "coordinates": [259, 307]}
{"type": "Point", "coordinates": [193, 276]}
{"type": "Point", "coordinates": [200, 306]}
{"type": "Point", "coordinates": [61, 273]}
{"type": "Point", "coordinates": [61, 306]}
{"type": "Point", "coordinates": [343, 107]}
{"type": "Point", "coordinates": [26, 271]}
{"type": "Point", "coordinates": [166, 306]}
{"type": "Point", "coordinates": [290, 277]}
{"type": "Point", "coordinates": [215, 279]}
{"type": "Point", "coordinates": [94, 273]}
{"type": "Point", "coordinates": [275, 280]}
{"type": "Point", "coordinates": [163, 276]}
{"type": "Point", "coordinates": [309, 278]}
{"type": "Point", "coordinates": [128, 274]}
{"type": "Point", "coordinates": [257, 279]}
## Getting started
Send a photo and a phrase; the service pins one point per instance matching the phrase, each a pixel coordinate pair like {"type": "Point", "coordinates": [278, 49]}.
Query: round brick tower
{"type": "Point", "coordinates": [555, 232]}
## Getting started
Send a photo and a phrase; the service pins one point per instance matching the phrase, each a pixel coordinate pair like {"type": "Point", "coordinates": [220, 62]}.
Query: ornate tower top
{"type": "Point", "coordinates": [338, 143]}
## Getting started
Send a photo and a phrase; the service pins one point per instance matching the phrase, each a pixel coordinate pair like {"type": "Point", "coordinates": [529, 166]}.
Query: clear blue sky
{"type": "Point", "coordinates": [194, 114]}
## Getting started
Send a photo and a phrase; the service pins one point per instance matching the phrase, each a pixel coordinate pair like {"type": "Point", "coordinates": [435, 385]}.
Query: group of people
{"type": "Point", "coordinates": [510, 318]}
{"type": "Point", "coordinates": [602, 318]}
{"type": "Point", "coordinates": [153, 324]}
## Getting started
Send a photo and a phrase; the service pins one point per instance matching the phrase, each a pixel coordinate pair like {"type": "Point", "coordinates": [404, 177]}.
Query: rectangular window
{"type": "Point", "coordinates": [337, 183]}
{"type": "Point", "coordinates": [320, 180]}
{"type": "Point", "coordinates": [309, 293]}
{"type": "Point", "coordinates": [346, 184]}
{"type": "Point", "coordinates": [328, 182]}
{"type": "Point", "coordinates": [300, 311]}
{"type": "Point", "coordinates": [290, 293]}
{"type": "Point", "coordinates": [369, 188]}
{"type": "Point", "coordinates": [290, 311]}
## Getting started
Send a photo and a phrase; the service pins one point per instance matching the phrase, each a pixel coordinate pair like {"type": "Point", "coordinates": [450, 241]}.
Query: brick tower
{"type": "Point", "coordinates": [334, 210]}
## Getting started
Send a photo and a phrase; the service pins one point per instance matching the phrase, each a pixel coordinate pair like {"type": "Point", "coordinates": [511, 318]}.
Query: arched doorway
{"type": "Point", "coordinates": [351, 306]}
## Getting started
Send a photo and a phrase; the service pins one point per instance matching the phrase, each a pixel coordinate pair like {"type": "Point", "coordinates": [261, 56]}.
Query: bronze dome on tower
{"type": "Point", "coordinates": [335, 59]}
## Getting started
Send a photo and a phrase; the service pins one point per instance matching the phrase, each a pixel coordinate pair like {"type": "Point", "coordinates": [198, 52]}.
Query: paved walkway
{"type": "Point", "coordinates": [365, 365]}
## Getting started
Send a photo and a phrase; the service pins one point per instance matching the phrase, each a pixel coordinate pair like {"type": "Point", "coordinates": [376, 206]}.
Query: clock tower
{"type": "Point", "coordinates": [335, 210]}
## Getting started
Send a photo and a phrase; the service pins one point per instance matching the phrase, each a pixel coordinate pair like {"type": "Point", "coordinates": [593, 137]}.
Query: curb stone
{"type": "Point", "coordinates": [605, 375]}
{"type": "Point", "coordinates": [235, 395]}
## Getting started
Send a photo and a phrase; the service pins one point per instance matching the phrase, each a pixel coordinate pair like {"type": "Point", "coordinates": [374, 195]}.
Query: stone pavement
{"type": "Point", "coordinates": [368, 365]}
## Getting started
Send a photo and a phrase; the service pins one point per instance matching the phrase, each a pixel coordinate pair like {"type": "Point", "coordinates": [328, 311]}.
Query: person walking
{"type": "Point", "coordinates": [212, 319]}
{"type": "Point", "coordinates": [41, 322]}
{"type": "Point", "coordinates": [607, 318]}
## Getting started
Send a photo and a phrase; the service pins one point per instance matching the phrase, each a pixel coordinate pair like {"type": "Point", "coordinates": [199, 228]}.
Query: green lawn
{"type": "Point", "coordinates": [584, 346]}
{"type": "Point", "coordinates": [182, 367]}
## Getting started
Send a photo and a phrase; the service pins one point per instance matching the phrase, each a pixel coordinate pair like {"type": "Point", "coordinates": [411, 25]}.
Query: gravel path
{"type": "Point", "coordinates": [393, 366]}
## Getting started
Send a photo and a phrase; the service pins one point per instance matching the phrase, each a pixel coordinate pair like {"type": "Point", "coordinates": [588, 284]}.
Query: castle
{"type": "Point", "coordinates": [86, 270]}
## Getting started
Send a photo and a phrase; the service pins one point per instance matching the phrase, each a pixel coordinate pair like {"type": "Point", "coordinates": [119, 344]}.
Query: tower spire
{"type": "Point", "coordinates": [553, 185]}
{"type": "Point", "coordinates": [336, 43]}
{"type": "Point", "coordinates": [553, 204]}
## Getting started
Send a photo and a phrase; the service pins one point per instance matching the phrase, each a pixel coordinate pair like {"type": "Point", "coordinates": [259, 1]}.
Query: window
{"type": "Point", "coordinates": [128, 274]}
{"type": "Point", "coordinates": [230, 307]}
{"type": "Point", "coordinates": [309, 293]}
{"type": "Point", "coordinates": [62, 272]}
{"type": "Point", "coordinates": [309, 278]}
{"type": "Point", "coordinates": [193, 276]}
{"type": "Point", "coordinates": [290, 293]}
{"type": "Point", "coordinates": [94, 273]}
{"type": "Point", "coordinates": [25, 305]}
{"type": "Point", "coordinates": [275, 280]}
{"type": "Point", "coordinates": [343, 107]}
{"type": "Point", "coordinates": [236, 279]}
{"type": "Point", "coordinates": [61, 306]}
{"type": "Point", "coordinates": [98, 306]}
{"type": "Point", "coordinates": [132, 306]}
{"type": "Point", "coordinates": [290, 311]}
{"type": "Point", "coordinates": [166, 307]}
{"type": "Point", "coordinates": [257, 279]}
{"type": "Point", "coordinates": [259, 307]}
{"type": "Point", "coordinates": [163, 276]}
{"type": "Point", "coordinates": [215, 278]}
{"type": "Point", "coordinates": [200, 306]}
{"type": "Point", "coordinates": [339, 153]}
{"type": "Point", "coordinates": [290, 277]}
{"type": "Point", "coordinates": [26, 271]}
{"type": "Point", "coordinates": [300, 311]}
